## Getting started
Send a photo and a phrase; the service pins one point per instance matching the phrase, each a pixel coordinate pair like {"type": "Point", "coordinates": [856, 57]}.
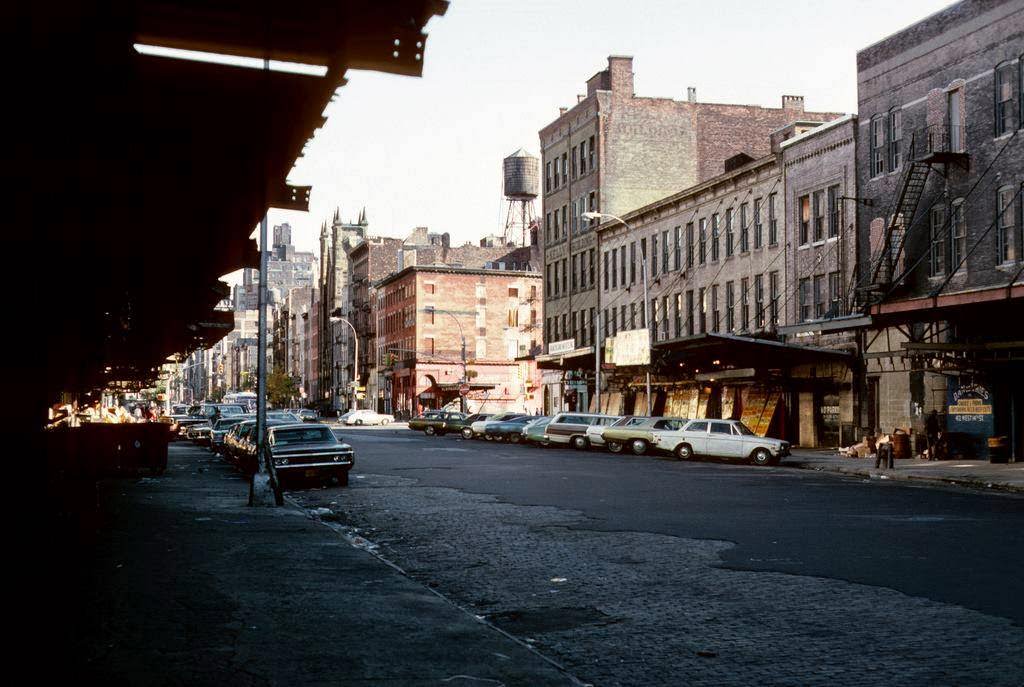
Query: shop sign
{"type": "Point", "coordinates": [633, 347]}
{"type": "Point", "coordinates": [969, 410]}
{"type": "Point", "coordinates": [563, 346]}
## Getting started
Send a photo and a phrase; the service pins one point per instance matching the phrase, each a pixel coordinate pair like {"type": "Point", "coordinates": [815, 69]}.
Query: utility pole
{"type": "Point", "coordinates": [263, 488]}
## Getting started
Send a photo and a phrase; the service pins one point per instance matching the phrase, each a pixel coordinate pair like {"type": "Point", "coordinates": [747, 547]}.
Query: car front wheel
{"type": "Point", "coordinates": [638, 447]}
{"type": "Point", "coordinates": [683, 452]}
{"type": "Point", "coordinates": [762, 457]}
{"type": "Point", "coordinates": [467, 433]}
{"type": "Point", "coordinates": [615, 446]}
{"type": "Point", "coordinates": [430, 431]}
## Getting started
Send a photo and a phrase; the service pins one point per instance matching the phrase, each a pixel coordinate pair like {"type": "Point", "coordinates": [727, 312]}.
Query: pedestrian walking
{"type": "Point", "coordinates": [931, 432]}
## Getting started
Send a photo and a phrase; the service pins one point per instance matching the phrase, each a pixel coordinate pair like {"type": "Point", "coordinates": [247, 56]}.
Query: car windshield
{"type": "Point", "coordinates": [225, 424]}
{"type": "Point", "coordinates": [301, 435]}
{"type": "Point", "coordinates": [281, 416]}
{"type": "Point", "coordinates": [540, 421]}
{"type": "Point", "coordinates": [743, 429]}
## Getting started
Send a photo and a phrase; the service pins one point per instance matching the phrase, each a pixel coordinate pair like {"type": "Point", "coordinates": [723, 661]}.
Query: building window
{"type": "Point", "coordinates": [714, 237]}
{"type": "Point", "coordinates": [958, 235]}
{"type": "Point", "coordinates": [575, 269]}
{"type": "Point", "coordinates": [803, 209]}
{"type": "Point", "coordinates": [895, 138]}
{"type": "Point", "coordinates": [677, 315]}
{"type": "Point", "coordinates": [622, 255]}
{"type": "Point", "coordinates": [606, 276]}
{"type": "Point", "coordinates": [819, 296]}
{"type": "Point", "coordinates": [773, 221]}
{"type": "Point", "coordinates": [877, 145]}
{"type": "Point", "coordinates": [565, 223]}
{"type": "Point", "coordinates": [547, 280]}
{"type": "Point", "coordinates": [729, 237]}
{"type": "Point", "coordinates": [583, 157]}
{"type": "Point", "coordinates": [835, 302]}
{"type": "Point", "coordinates": [632, 263]}
{"type": "Point", "coordinates": [574, 162]}
{"type": "Point", "coordinates": [565, 276]}
{"type": "Point", "coordinates": [547, 177]}
{"type": "Point", "coordinates": [702, 293]}
{"type": "Point", "coordinates": [819, 215]}
{"type": "Point", "coordinates": [805, 299]}
{"type": "Point", "coordinates": [730, 307]}
{"type": "Point", "coordinates": [689, 244]}
{"type": "Point", "coordinates": [759, 300]}
{"type": "Point", "coordinates": [565, 168]}
{"type": "Point", "coordinates": [773, 297]}
{"type": "Point", "coordinates": [833, 211]}
{"type": "Point", "coordinates": [744, 304]}
{"type": "Point", "coordinates": [715, 321]}
{"type": "Point", "coordinates": [1005, 225]}
{"type": "Point", "coordinates": [654, 256]}
{"type": "Point", "coordinates": [547, 228]}
{"type": "Point", "coordinates": [664, 251]}
{"type": "Point", "coordinates": [429, 315]}
{"type": "Point", "coordinates": [1005, 117]}
{"type": "Point", "coordinates": [744, 229]}
{"type": "Point", "coordinates": [936, 224]}
{"type": "Point", "coordinates": [689, 312]}
{"type": "Point", "coordinates": [758, 225]}
{"type": "Point", "coordinates": [591, 254]}
{"type": "Point", "coordinates": [590, 154]}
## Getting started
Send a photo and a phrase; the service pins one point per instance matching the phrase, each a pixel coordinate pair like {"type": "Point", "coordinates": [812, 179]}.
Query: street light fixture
{"type": "Point", "coordinates": [647, 315]}
{"type": "Point", "coordinates": [355, 363]}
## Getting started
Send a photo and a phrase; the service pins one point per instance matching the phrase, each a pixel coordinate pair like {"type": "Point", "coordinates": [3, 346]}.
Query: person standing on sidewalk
{"type": "Point", "coordinates": [884, 454]}
{"type": "Point", "coordinates": [931, 432]}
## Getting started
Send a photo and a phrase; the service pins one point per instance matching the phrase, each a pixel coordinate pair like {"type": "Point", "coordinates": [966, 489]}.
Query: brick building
{"type": "Point", "coordinates": [820, 182]}
{"type": "Point", "coordinates": [614, 152]}
{"type": "Point", "coordinates": [941, 155]}
{"type": "Point", "coordinates": [424, 313]}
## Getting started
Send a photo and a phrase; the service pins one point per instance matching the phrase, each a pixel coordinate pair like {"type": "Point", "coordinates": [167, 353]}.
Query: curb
{"type": "Point", "coordinates": [980, 485]}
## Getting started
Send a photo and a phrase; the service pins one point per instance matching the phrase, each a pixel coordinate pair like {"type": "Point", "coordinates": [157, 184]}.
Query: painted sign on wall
{"type": "Point", "coordinates": [969, 410]}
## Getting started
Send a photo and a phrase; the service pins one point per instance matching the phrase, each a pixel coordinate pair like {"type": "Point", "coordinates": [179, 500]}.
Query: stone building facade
{"type": "Point", "coordinates": [423, 315]}
{"type": "Point", "coordinates": [613, 152]}
{"type": "Point", "coordinates": [941, 155]}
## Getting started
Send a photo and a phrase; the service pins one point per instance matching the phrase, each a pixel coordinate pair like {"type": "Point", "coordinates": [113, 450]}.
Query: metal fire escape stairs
{"type": "Point", "coordinates": [916, 168]}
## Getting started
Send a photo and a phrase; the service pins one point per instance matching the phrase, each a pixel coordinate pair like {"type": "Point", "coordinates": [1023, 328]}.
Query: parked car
{"type": "Point", "coordinates": [507, 430]}
{"type": "Point", "coordinates": [595, 432]}
{"type": "Point", "coordinates": [419, 423]}
{"type": "Point", "coordinates": [571, 428]}
{"type": "Point", "coordinates": [439, 424]}
{"type": "Point", "coordinates": [365, 416]}
{"type": "Point", "coordinates": [308, 415]}
{"type": "Point", "coordinates": [200, 433]}
{"type": "Point", "coordinates": [309, 452]}
{"type": "Point", "coordinates": [533, 433]}
{"type": "Point", "coordinates": [638, 433]}
{"type": "Point", "coordinates": [464, 426]}
{"type": "Point", "coordinates": [722, 439]}
{"type": "Point", "coordinates": [220, 430]}
{"type": "Point", "coordinates": [478, 427]}
{"type": "Point", "coordinates": [282, 416]}
{"type": "Point", "coordinates": [241, 449]}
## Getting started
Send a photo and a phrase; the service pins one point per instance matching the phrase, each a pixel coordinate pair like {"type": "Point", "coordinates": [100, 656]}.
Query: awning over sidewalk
{"type": "Point", "coordinates": [576, 359]}
{"type": "Point", "coordinates": [730, 350]}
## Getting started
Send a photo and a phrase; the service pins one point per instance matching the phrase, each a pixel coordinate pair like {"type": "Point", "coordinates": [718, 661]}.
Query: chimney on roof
{"type": "Point", "coordinates": [562, 111]}
{"type": "Point", "coordinates": [691, 94]}
{"type": "Point", "coordinates": [580, 97]}
{"type": "Point", "coordinates": [793, 103]}
{"type": "Point", "coordinates": [620, 71]}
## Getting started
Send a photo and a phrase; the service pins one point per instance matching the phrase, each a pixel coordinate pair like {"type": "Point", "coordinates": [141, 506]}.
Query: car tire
{"type": "Point", "coordinates": [580, 443]}
{"type": "Point", "coordinates": [385, 422]}
{"type": "Point", "coordinates": [429, 431]}
{"type": "Point", "coordinates": [515, 438]}
{"type": "Point", "coordinates": [684, 452]}
{"type": "Point", "coordinates": [467, 433]}
{"type": "Point", "coordinates": [615, 446]}
{"type": "Point", "coordinates": [358, 422]}
{"type": "Point", "coordinates": [638, 447]}
{"type": "Point", "coordinates": [500, 438]}
{"type": "Point", "coordinates": [761, 457]}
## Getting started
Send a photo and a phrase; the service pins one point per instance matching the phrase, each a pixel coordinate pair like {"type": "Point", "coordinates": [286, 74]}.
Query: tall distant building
{"type": "Point", "coordinates": [287, 269]}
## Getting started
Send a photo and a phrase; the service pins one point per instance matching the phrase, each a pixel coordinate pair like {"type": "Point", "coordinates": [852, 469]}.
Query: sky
{"type": "Point", "coordinates": [427, 151]}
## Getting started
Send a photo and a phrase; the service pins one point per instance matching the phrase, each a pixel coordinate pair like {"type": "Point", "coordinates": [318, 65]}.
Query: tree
{"type": "Point", "coordinates": [281, 389]}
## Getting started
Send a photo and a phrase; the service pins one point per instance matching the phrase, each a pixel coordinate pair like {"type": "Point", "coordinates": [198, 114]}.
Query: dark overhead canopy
{"type": "Point", "coordinates": [150, 173]}
{"type": "Point", "coordinates": [729, 350]}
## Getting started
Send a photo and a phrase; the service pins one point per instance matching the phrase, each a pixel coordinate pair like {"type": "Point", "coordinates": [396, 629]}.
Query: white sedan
{"type": "Point", "coordinates": [366, 416]}
{"type": "Point", "coordinates": [723, 439]}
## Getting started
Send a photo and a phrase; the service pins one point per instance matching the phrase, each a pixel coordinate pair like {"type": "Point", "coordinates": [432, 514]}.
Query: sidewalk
{"type": "Point", "coordinates": [968, 473]}
{"type": "Point", "coordinates": [187, 585]}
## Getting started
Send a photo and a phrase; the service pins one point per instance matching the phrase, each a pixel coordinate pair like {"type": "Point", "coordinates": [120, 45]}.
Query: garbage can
{"type": "Point", "coordinates": [998, 450]}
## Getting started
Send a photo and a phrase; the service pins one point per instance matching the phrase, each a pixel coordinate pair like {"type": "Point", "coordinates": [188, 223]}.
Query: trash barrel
{"type": "Point", "coordinates": [900, 446]}
{"type": "Point", "coordinates": [998, 450]}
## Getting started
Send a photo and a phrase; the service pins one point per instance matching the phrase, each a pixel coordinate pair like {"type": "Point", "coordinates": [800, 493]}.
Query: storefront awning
{"type": "Point", "coordinates": [576, 359]}
{"type": "Point", "coordinates": [730, 350]}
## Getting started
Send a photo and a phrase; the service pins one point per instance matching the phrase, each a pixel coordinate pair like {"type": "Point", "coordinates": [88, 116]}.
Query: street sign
{"type": "Point", "coordinates": [463, 389]}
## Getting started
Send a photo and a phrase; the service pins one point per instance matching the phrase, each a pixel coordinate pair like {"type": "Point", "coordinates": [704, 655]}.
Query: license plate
{"type": "Point", "coordinates": [312, 473]}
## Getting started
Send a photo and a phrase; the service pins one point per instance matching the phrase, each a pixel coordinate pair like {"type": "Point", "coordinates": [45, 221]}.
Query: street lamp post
{"type": "Point", "coordinates": [647, 314]}
{"type": "Point", "coordinates": [355, 362]}
{"type": "Point", "coordinates": [465, 371]}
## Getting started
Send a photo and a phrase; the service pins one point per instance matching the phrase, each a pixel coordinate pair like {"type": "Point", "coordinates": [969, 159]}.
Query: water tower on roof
{"type": "Point", "coordinates": [521, 184]}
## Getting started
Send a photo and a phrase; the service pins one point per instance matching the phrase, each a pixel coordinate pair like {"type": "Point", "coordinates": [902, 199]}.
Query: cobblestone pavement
{"type": "Point", "coordinates": [634, 608]}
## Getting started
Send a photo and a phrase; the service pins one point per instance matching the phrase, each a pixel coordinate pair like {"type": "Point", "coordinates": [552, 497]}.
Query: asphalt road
{"type": "Point", "coordinates": [882, 581]}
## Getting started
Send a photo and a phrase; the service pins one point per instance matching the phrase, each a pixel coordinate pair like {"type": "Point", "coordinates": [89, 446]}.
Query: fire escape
{"type": "Point", "coordinates": [932, 146]}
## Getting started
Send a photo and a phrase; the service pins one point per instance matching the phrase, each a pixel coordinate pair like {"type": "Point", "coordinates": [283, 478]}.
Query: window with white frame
{"type": "Point", "coordinates": [957, 235]}
{"type": "Point", "coordinates": [937, 240]}
{"type": "Point", "coordinates": [1006, 233]}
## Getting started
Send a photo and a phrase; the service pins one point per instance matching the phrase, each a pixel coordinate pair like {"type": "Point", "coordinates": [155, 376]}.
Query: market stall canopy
{"type": "Point", "coordinates": [150, 173]}
{"type": "Point", "coordinates": [730, 350]}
